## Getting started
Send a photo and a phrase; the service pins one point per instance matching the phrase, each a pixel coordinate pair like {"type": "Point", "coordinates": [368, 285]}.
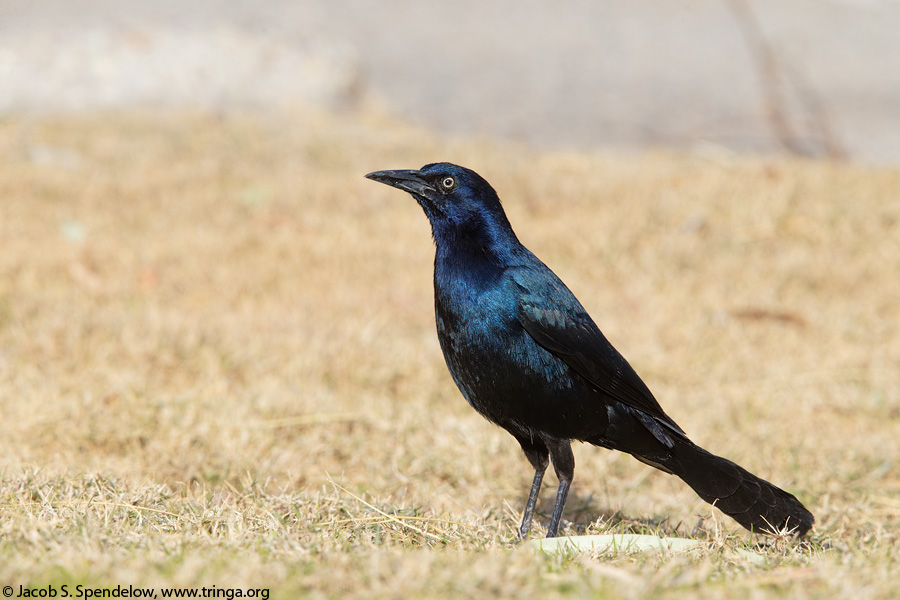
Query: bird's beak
{"type": "Point", "coordinates": [407, 180]}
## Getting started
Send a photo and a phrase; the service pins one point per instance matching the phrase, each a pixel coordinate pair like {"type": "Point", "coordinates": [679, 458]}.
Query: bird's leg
{"type": "Point", "coordinates": [537, 454]}
{"type": "Point", "coordinates": [564, 465]}
{"type": "Point", "coordinates": [561, 493]}
{"type": "Point", "coordinates": [525, 527]}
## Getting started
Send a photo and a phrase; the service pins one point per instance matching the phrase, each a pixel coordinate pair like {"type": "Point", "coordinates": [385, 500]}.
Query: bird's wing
{"type": "Point", "coordinates": [555, 319]}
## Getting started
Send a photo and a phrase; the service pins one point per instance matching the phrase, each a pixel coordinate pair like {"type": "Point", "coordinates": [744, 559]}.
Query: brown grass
{"type": "Point", "coordinates": [218, 362]}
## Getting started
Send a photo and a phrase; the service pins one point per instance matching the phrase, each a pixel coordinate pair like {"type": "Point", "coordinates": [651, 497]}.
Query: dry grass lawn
{"type": "Point", "coordinates": [218, 363]}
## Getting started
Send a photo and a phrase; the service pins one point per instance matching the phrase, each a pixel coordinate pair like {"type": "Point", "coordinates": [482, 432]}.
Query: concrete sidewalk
{"type": "Point", "coordinates": [617, 74]}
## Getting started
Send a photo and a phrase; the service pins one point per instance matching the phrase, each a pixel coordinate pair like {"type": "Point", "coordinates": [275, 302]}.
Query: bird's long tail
{"type": "Point", "coordinates": [753, 502]}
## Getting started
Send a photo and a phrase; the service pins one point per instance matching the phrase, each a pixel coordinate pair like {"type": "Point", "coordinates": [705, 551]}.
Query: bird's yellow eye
{"type": "Point", "coordinates": [448, 183]}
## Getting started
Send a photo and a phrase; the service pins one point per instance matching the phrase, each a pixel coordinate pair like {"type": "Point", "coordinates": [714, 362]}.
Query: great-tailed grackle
{"type": "Point", "coordinates": [528, 357]}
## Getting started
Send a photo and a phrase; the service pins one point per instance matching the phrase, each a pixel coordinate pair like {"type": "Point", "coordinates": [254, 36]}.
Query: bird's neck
{"type": "Point", "coordinates": [487, 239]}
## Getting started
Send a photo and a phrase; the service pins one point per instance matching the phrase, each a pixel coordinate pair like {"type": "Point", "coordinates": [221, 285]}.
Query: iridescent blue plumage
{"type": "Point", "coordinates": [527, 356]}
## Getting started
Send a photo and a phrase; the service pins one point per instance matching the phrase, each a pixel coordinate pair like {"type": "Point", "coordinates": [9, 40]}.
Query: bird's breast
{"type": "Point", "coordinates": [500, 370]}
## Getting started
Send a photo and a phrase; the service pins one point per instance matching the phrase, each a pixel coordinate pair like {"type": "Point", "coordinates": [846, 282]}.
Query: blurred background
{"type": "Point", "coordinates": [217, 351]}
{"type": "Point", "coordinates": [806, 77]}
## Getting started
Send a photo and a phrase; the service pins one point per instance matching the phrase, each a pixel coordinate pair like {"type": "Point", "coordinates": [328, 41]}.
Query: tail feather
{"type": "Point", "coordinates": [753, 502]}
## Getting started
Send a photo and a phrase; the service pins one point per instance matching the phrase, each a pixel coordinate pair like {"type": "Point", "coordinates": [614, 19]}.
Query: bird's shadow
{"type": "Point", "coordinates": [584, 515]}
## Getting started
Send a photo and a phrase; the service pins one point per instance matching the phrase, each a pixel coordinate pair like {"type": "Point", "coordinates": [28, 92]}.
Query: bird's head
{"type": "Point", "coordinates": [457, 200]}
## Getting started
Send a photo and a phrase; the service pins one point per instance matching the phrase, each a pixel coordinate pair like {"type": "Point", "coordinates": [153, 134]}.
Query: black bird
{"type": "Point", "coordinates": [528, 357]}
